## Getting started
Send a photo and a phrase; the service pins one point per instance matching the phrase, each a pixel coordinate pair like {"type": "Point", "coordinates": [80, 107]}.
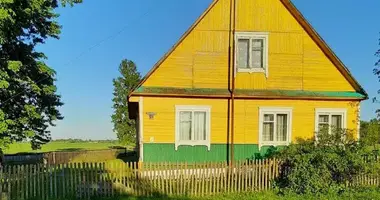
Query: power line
{"type": "Point", "coordinates": [110, 37]}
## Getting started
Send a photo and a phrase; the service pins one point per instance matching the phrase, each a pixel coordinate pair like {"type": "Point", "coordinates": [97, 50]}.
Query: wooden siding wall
{"type": "Point", "coordinates": [200, 61]}
{"type": "Point", "coordinates": [161, 129]}
{"type": "Point", "coordinates": [295, 61]}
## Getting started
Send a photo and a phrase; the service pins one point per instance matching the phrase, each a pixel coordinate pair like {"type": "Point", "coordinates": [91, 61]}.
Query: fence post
{"type": "Point", "coordinates": [8, 171]}
{"type": "Point", "coordinates": [270, 164]}
{"type": "Point", "coordinates": [136, 170]}
{"type": "Point", "coordinates": [50, 181]}
{"type": "Point", "coordinates": [16, 178]}
{"type": "Point", "coordinates": [54, 157]}
{"type": "Point", "coordinates": [22, 181]}
{"type": "Point", "coordinates": [194, 179]}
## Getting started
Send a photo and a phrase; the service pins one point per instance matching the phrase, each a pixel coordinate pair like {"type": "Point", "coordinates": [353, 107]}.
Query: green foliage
{"type": "Point", "coordinates": [73, 140]}
{"type": "Point", "coordinates": [376, 72]}
{"type": "Point", "coordinates": [370, 133]}
{"type": "Point", "coordinates": [28, 99]}
{"type": "Point", "coordinates": [124, 127]}
{"type": "Point", "coordinates": [323, 165]}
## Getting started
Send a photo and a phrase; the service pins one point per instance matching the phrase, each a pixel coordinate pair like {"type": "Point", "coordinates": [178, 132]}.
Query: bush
{"type": "Point", "coordinates": [324, 165]}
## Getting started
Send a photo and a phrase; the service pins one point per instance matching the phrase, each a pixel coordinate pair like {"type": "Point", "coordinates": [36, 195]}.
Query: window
{"type": "Point", "coordinates": [330, 118]}
{"type": "Point", "coordinates": [192, 126]}
{"type": "Point", "coordinates": [252, 52]}
{"type": "Point", "coordinates": [275, 126]}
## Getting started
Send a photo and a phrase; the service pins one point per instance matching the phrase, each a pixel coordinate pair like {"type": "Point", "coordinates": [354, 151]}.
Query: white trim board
{"type": "Point", "coordinates": [141, 129]}
{"type": "Point", "coordinates": [358, 122]}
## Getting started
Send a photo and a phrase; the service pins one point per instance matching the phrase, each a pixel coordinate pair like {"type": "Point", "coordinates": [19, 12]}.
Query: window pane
{"type": "Point", "coordinates": [257, 53]}
{"type": "Point", "coordinates": [323, 122]}
{"type": "Point", "coordinates": [185, 125]}
{"type": "Point", "coordinates": [242, 54]}
{"type": "Point", "coordinates": [336, 121]}
{"type": "Point", "coordinates": [257, 43]}
{"type": "Point", "coordinates": [257, 59]}
{"type": "Point", "coordinates": [199, 126]}
{"type": "Point", "coordinates": [269, 117]}
{"type": "Point", "coordinates": [268, 131]}
{"type": "Point", "coordinates": [323, 119]}
{"type": "Point", "coordinates": [282, 127]}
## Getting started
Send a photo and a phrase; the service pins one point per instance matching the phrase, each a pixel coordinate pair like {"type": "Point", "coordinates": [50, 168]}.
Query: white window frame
{"type": "Point", "coordinates": [251, 36]}
{"type": "Point", "coordinates": [193, 109]}
{"type": "Point", "coordinates": [330, 112]}
{"type": "Point", "coordinates": [275, 111]}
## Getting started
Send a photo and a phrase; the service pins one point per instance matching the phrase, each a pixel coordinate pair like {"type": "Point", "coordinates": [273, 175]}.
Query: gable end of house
{"type": "Point", "coordinates": [162, 90]}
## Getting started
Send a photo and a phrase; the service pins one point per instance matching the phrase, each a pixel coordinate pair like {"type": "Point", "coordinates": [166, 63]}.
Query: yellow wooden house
{"type": "Point", "coordinates": [247, 75]}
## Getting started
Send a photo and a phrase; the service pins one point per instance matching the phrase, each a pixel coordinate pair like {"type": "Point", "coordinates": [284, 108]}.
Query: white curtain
{"type": "Point", "coordinates": [242, 54]}
{"type": "Point", "coordinates": [268, 127]}
{"type": "Point", "coordinates": [282, 127]}
{"type": "Point", "coordinates": [257, 53]}
{"type": "Point", "coordinates": [199, 126]}
{"type": "Point", "coordinates": [185, 126]}
{"type": "Point", "coordinates": [336, 121]}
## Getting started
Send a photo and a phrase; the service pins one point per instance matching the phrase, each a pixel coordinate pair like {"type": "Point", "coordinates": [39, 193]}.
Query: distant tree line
{"type": "Point", "coordinates": [71, 140]}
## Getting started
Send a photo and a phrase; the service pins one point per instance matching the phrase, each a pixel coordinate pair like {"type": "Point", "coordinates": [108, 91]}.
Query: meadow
{"type": "Point", "coordinates": [364, 193]}
{"type": "Point", "coordinates": [25, 147]}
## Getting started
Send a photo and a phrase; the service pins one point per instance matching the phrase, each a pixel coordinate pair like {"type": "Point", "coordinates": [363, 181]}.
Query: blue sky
{"type": "Point", "coordinates": [97, 35]}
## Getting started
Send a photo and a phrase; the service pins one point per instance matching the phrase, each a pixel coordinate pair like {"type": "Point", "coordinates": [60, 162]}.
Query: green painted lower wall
{"type": "Point", "coordinates": [218, 152]}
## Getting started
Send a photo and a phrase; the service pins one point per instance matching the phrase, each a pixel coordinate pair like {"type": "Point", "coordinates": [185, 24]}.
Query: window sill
{"type": "Point", "coordinates": [252, 70]}
{"type": "Point", "coordinates": [274, 144]}
{"type": "Point", "coordinates": [207, 144]}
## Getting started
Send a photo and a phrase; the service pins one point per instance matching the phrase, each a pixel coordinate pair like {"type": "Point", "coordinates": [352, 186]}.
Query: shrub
{"type": "Point", "coordinates": [324, 165]}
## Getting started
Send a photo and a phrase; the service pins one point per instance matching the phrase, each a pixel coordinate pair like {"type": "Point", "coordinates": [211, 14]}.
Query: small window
{"type": "Point", "coordinates": [275, 126]}
{"type": "Point", "coordinates": [252, 52]}
{"type": "Point", "coordinates": [192, 126]}
{"type": "Point", "coordinates": [330, 118]}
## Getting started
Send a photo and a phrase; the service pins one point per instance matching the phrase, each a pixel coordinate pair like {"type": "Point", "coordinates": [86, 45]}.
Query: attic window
{"type": "Point", "coordinates": [252, 52]}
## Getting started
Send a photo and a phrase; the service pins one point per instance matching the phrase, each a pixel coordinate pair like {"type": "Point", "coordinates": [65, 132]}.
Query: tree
{"type": "Point", "coordinates": [363, 128]}
{"type": "Point", "coordinates": [370, 133]}
{"type": "Point", "coordinates": [124, 127]}
{"type": "Point", "coordinates": [376, 71]}
{"type": "Point", "coordinates": [28, 99]}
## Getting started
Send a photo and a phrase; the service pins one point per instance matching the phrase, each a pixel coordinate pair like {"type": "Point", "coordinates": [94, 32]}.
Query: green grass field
{"type": "Point", "coordinates": [59, 146]}
{"type": "Point", "coordinates": [365, 194]}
